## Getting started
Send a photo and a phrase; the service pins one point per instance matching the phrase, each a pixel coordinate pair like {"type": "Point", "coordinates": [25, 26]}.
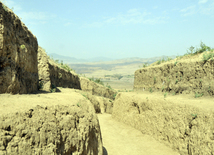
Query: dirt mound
{"type": "Point", "coordinates": [50, 123]}
{"type": "Point", "coordinates": [181, 122]}
{"type": "Point", "coordinates": [18, 55]}
{"type": "Point", "coordinates": [188, 75]}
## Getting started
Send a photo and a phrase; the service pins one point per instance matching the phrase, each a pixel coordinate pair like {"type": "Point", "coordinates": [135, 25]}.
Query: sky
{"type": "Point", "coordinates": [117, 28]}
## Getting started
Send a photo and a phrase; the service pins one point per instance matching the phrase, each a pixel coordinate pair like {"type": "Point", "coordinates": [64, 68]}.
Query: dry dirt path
{"type": "Point", "coordinates": [121, 139]}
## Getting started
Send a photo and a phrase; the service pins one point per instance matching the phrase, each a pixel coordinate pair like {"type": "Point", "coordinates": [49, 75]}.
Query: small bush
{"type": "Point", "coordinates": [175, 63]}
{"type": "Point", "coordinates": [177, 57]}
{"type": "Point", "coordinates": [154, 79]}
{"type": "Point", "coordinates": [176, 81]}
{"type": "Point", "coordinates": [96, 80]}
{"type": "Point", "coordinates": [118, 76]}
{"type": "Point", "coordinates": [99, 81]}
{"type": "Point", "coordinates": [114, 96]}
{"type": "Point", "coordinates": [209, 89]}
{"type": "Point", "coordinates": [53, 88]}
{"type": "Point", "coordinates": [145, 65]}
{"type": "Point", "coordinates": [163, 60]}
{"type": "Point", "coordinates": [165, 95]}
{"type": "Point", "coordinates": [194, 115]}
{"type": "Point", "coordinates": [85, 96]}
{"type": "Point", "coordinates": [41, 85]}
{"type": "Point", "coordinates": [206, 57]}
{"type": "Point", "coordinates": [150, 89]}
{"type": "Point", "coordinates": [168, 58]}
{"type": "Point", "coordinates": [60, 75]}
{"type": "Point", "coordinates": [108, 86]}
{"type": "Point", "coordinates": [22, 47]}
{"type": "Point", "coordinates": [202, 49]}
{"type": "Point", "coordinates": [198, 95]}
{"type": "Point", "coordinates": [191, 50]}
{"type": "Point", "coordinates": [159, 61]}
{"type": "Point", "coordinates": [162, 88]}
{"type": "Point", "coordinates": [5, 7]}
{"type": "Point", "coordinates": [61, 65]}
{"type": "Point", "coordinates": [66, 67]}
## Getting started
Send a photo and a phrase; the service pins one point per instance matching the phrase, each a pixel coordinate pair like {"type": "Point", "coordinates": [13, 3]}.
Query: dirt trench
{"type": "Point", "coordinates": [117, 137]}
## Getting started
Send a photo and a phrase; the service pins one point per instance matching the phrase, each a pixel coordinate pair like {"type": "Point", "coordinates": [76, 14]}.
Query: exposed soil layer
{"type": "Point", "coordinates": [182, 122]}
{"type": "Point", "coordinates": [18, 55]}
{"type": "Point", "coordinates": [117, 138]}
{"type": "Point", "coordinates": [187, 75]}
{"type": "Point", "coordinates": [49, 123]}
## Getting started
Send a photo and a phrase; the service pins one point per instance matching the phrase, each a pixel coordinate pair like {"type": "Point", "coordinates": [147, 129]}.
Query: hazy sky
{"type": "Point", "coordinates": [118, 28]}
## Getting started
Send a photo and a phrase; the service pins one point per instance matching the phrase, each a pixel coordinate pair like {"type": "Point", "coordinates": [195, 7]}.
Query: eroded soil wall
{"type": "Point", "coordinates": [18, 55]}
{"type": "Point", "coordinates": [185, 128]}
{"type": "Point", "coordinates": [185, 76]}
{"type": "Point", "coordinates": [51, 75]}
{"type": "Point", "coordinates": [96, 89]}
{"type": "Point", "coordinates": [58, 129]}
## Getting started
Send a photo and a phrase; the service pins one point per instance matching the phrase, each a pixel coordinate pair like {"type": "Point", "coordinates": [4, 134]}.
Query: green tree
{"type": "Point", "coordinates": [118, 76]}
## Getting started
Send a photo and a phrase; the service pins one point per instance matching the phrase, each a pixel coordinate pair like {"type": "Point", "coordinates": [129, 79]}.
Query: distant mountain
{"type": "Point", "coordinates": [85, 66]}
{"type": "Point", "coordinates": [98, 59]}
{"type": "Point", "coordinates": [105, 60]}
{"type": "Point", "coordinates": [65, 59]}
{"type": "Point", "coordinates": [68, 59]}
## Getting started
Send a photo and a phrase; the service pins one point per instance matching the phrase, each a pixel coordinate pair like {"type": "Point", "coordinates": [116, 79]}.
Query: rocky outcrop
{"type": "Point", "coordinates": [18, 55]}
{"type": "Point", "coordinates": [52, 76]}
{"type": "Point", "coordinates": [185, 128]}
{"type": "Point", "coordinates": [59, 130]}
{"type": "Point", "coordinates": [188, 75]}
{"type": "Point", "coordinates": [96, 89]}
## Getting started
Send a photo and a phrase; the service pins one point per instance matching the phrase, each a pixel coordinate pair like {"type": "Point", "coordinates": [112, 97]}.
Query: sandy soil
{"type": "Point", "coordinates": [124, 83]}
{"type": "Point", "coordinates": [118, 138]}
{"type": "Point", "coordinates": [204, 102]}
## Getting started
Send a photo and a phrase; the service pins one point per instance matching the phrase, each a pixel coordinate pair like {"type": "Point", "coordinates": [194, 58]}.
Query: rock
{"type": "Point", "coordinates": [52, 76]}
{"type": "Point", "coordinates": [56, 129]}
{"type": "Point", "coordinates": [18, 55]}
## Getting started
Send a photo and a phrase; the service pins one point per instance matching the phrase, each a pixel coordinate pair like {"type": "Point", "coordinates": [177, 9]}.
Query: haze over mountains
{"type": "Point", "coordinates": [68, 59]}
{"type": "Point", "coordinates": [106, 65]}
{"type": "Point", "coordinates": [106, 60]}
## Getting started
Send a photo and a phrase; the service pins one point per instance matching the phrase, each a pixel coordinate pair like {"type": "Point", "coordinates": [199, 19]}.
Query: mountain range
{"type": "Point", "coordinates": [68, 59]}
{"type": "Point", "coordinates": [99, 64]}
{"type": "Point", "coordinates": [105, 60]}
